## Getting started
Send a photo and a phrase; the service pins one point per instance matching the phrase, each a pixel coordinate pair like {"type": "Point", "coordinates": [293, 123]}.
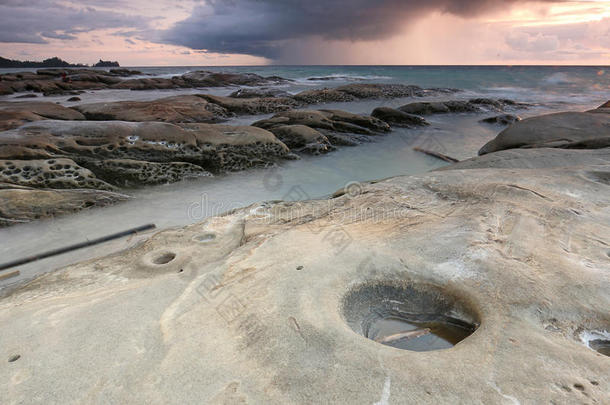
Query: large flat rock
{"type": "Point", "coordinates": [251, 307]}
{"type": "Point", "coordinates": [216, 148]}
{"type": "Point", "coordinates": [170, 109]}
{"type": "Point", "coordinates": [19, 204]}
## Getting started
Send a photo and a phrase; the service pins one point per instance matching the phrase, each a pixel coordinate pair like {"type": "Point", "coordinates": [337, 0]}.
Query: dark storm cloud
{"type": "Point", "coordinates": [35, 21]}
{"type": "Point", "coordinates": [264, 27]}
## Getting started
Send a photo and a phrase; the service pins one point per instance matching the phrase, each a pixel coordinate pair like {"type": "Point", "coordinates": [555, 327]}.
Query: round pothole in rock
{"type": "Point", "coordinates": [204, 238]}
{"type": "Point", "coordinates": [417, 317]}
{"type": "Point", "coordinates": [164, 258]}
{"type": "Point", "coordinates": [597, 340]}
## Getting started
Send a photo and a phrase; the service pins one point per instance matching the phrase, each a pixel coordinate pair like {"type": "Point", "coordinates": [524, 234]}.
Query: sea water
{"type": "Point", "coordinates": [547, 89]}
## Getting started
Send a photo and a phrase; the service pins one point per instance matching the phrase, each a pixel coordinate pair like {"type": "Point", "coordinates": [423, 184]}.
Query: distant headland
{"type": "Point", "coordinates": [51, 63]}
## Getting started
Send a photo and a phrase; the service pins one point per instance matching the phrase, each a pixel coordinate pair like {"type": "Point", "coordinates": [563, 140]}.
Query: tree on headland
{"type": "Point", "coordinates": [53, 62]}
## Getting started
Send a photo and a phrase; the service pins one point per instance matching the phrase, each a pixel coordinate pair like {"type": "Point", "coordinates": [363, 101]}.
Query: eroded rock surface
{"type": "Point", "coordinates": [15, 114]}
{"type": "Point", "coordinates": [19, 204]}
{"type": "Point", "coordinates": [398, 118]}
{"type": "Point", "coordinates": [362, 91]}
{"type": "Point", "coordinates": [215, 148]}
{"type": "Point", "coordinates": [252, 303]}
{"type": "Point", "coordinates": [50, 81]}
{"type": "Point", "coordinates": [339, 127]}
{"type": "Point", "coordinates": [460, 106]}
{"type": "Point", "coordinates": [579, 130]}
{"type": "Point", "coordinates": [170, 109]}
{"type": "Point", "coordinates": [502, 119]}
{"type": "Point", "coordinates": [51, 173]}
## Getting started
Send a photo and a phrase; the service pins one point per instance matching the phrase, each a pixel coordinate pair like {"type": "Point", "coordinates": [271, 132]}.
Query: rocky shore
{"type": "Point", "coordinates": [267, 304]}
{"type": "Point", "coordinates": [122, 144]}
{"type": "Point", "coordinates": [71, 81]}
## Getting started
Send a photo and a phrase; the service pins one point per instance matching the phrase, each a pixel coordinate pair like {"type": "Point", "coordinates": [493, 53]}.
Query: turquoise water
{"type": "Point", "coordinates": [549, 89]}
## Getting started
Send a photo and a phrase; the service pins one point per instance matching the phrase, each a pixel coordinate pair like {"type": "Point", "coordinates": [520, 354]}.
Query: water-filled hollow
{"type": "Point", "coordinates": [408, 316]}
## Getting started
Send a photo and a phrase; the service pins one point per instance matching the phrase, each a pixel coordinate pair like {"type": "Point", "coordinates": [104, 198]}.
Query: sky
{"type": "Point", "coordinates": [335, 32]}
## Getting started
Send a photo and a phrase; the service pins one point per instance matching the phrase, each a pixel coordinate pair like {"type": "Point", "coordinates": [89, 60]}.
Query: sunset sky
{"type": "Point", "coordinates": [251, 32]}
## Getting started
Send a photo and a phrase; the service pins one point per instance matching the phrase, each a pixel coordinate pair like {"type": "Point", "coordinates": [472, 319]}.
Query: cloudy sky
{"type": "Point", "coordinates": [249, 32]}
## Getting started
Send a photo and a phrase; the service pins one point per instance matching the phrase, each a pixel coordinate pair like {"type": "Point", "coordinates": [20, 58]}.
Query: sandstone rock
{"type": "Point", "coordinates": [539, 158]}
{"type": "Point", "coordinates": [459, 106]}
{"type": "Point", "coordinates": [503, 119]}
{"type": "Point", "coordinates": [340, 128]}
{"type": "Point", "coordinates": [216, 148]}
{"type": "Point", "coordinates": [252, 106]}
{"type": "Point", "coordinates": [20, 204]}
{"type": "Point", "coordinates": [559, 130]}
{"type": "Point", "coordinates": [398, 118]}
{"type": "Point", "coordinates": [303, 139]}
{"type": "Point", "coordinates": [52, 173]}
{"type": "Point", "coordinates": [221, 79]}
{"type": "Point", "coordinates": [170, 109]}
{"type": "Point", "coordinates": [261, 300]}
{"type": "Point", "coordinates": [130, 173]}
{"type": "Point", "coordinates": [360, 91]}
{"type": "Point", "coordinates": [260, 93]}
{"type": "Point", "coordinates": [15, 114]}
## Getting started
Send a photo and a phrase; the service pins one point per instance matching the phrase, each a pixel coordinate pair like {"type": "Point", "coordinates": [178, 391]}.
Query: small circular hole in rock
{"type": "Point", "coordinates": [14, 357]}
{"type": "Point", "coordinates": [203, 238]}
{"type": "Point", "coordinates": [601, 346]}
{"type": "Point", "coordinates": [416, 317]}
{"type": "Point", "coordinates": [164, 258]}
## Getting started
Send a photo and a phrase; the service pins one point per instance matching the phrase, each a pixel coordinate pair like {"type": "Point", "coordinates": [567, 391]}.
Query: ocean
{"type": "Point", "coordinates": [546, 88]}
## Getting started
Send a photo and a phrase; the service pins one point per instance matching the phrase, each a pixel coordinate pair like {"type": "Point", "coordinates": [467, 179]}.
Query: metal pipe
{"type": "Point", "coordinates": [77, 246]}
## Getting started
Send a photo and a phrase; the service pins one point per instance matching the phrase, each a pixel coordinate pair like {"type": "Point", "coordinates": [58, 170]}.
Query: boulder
{"type": "Point", "coordinates": [340, 128]}
{"type": "Point", "coordinates": [20, 204]}
{"type": "Point", "coordinates": [559, 130]}
{"type": "Point", "coordinates": [303, 139]}
{"type": "Point", "coordinates": [398, 118]}
{"type": "Point", "coordinates": [170, 109]}
{"type": "Point", "coordinates": [502, 119]}
{"type": "Point", "coordinates": [275, 303]}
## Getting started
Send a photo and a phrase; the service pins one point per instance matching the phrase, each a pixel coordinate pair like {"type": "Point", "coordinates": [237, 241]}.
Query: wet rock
{"type": "Point", "coordinates": [252, 106]}
{"type": "Point", "coordinates": [459, 106]}
{"type": "Point", "coordinates": [334, 124]}
{"type": "Point", "coordinates": [514, 248]}
{"type": "Point", "coordinates": [303, 139]}
{"type": "Point", "coordinates": [503, 119]}
{"type": "Point", "coordinates": [539, 158]}
{"type": "Point", "coordinates": [259, 93]}
{"type": "Point", "coordinates": [72, 99]}
{"type": "Point", "coordinates": [581, 130]}
{"type": "Point", "coordinates": [30, 95]}
{"type": "Point", "coordinates": [130, 173]}
{"type": "Point", "coordinates": [20, 204]}
{"type": "Point", "coordinates": [51, 173]}
{"type": "Point", "coordinates": [362, 91]}
{"type": "Point", "coordinates": [221, 79]}
{"type": "Point", "coordinates": [216, 148]}
{"type": "Point", "coordinates": [170, 109]}
{"type": "Point", "coordinates": [15, 114]}
{"type": "Point", "coordinates": [398, 118]}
